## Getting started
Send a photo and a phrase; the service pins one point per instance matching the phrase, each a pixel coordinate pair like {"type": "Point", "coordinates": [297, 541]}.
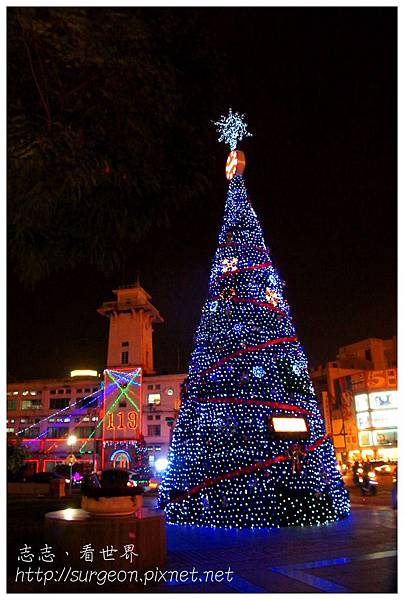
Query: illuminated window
{"type": "Point", "coordinates": [125, 358]}
{"type": "Point", "coordinates": [31, 404]}
{"type": "Point", "coordinates": [11, 404]}
{"type": "Point", "coordinates": [153, 399]}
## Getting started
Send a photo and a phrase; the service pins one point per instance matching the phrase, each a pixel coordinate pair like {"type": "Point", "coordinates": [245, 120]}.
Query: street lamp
{"type": "Point", "coordinates": [71, 440]}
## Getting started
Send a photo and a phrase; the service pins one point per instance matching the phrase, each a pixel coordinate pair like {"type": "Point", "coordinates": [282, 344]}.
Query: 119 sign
{"type": "Point", "coordinates": [121, 420]}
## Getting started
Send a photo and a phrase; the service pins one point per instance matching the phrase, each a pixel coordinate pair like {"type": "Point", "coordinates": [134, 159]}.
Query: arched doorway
{"type": "Point", "coordinates": [120, 459]}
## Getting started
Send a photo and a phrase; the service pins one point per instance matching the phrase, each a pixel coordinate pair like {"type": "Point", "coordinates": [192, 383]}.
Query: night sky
{"type": "Point", "coordinates": [318, 86]}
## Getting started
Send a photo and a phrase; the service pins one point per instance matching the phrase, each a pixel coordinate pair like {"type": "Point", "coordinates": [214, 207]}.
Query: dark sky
{"type": "Point", "coordinates": [319, 89]}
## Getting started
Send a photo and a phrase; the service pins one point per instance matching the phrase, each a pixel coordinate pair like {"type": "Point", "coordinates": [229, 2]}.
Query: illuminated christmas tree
{"type": "Point", "coordinates": [249, 447]}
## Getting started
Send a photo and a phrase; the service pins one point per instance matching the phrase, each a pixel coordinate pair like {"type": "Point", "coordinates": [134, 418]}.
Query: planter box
{"type": "Point", "coordinates": [28, 489]}
{"type": "Point", "coordinates": [116, 506]}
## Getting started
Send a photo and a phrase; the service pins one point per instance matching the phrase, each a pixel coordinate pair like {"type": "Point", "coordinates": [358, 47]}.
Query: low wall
{"type": "Point", "coordinates": [28, 489]}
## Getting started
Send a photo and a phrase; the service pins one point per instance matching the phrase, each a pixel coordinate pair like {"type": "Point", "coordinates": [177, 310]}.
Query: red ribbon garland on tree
{"type": "Point", "coordinates": [244, 471]}
{"type": "Point", "coordinates": [223, 360]}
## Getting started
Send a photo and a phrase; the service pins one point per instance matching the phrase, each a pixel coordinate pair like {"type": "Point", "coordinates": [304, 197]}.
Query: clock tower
{"type": "Point", "coordinates": [131, 317]}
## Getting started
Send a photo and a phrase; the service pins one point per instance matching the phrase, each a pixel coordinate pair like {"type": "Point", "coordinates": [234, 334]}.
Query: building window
{"type": "Point", "coordinates": [95, 389]}
{"type": "Point", "coordinates": [125, 344]}
{"type": "Point", "coordinates": [124, 358]}
{"type": "Point", "coordinates": [87, 390]}
{"type": "Point", "coordinates": [158, 417]}
{"type": "Point", "coordinates": [150, 387]}
{"type": "Point", "coordinates": [68, 390]}
{"type": "Point", "coordinates": [61, 391]}
{"type": "Point", "coordinates": [59, 402]}
{"type": "Point", "coordinates": [150, 417]}
{"type": "Point", "coordinates": [57, 432]}
{"type": "Point", "coordinates": [157, 387]}
{"type": "Point", "coordinates": [154, 430]}
{"type": "Point", "coordinates": [31, 404]}
{"type": "Point", "coordinates": [33, 432]}
{"type": "Point", "coordinates": [11, 404]}
{"type": "Point", "coordinates": [79, 390]}
{"type": "Point", "coordinates": [83, 432]}
{"type": "Point", "coordinates": [368, 355]}
{"type": "Point", "coordinates": [10, 430]}
{"type": "Point", "coordinates": [153, 399]}
{"type": "Point", "coordinates": [53, 391]}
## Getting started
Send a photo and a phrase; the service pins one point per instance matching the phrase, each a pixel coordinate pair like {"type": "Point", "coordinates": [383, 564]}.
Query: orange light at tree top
{"type": "Point", "coordinates": [235, 164]}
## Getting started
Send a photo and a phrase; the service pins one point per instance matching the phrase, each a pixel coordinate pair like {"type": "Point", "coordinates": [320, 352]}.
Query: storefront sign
{"type": "Point", "coordinates": [363, 420]}
{"type": "Point", "coordinates": [361, 402]}
{"type": "Point", "coordinates": [365, 438]}
{"type": "Point", "coordinates": [385, 437]}
{"type": "Point", "coordinates": [385, 418]}
{"type": "Point", "coordinates": [380, 400]}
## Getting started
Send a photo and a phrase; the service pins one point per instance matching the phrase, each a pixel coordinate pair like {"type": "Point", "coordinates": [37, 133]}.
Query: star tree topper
{"type": "Point", "coordinates": [232, 128]}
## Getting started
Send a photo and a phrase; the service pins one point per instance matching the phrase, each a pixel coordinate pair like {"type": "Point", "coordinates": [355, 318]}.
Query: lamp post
{"type": "Point", "coordinates": [71, 440]}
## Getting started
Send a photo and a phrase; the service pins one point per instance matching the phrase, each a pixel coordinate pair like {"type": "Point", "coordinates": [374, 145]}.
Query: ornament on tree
{"type": "Point", "coordinates": [229, 264]}
{"type": "Point", "coordinates": [244, 378]}
{"type": "Point", "coordinates": [258, 372]}
{"type": "Point", "coordinates": [228, 294]}
{"type": "Point", "coordinates": [296, 453]}
{"type": "Point", "coordinates": [271, 297]}
{"type": "Point", "coordinates": [213, 306]}
{"type": "Point", "coordinates": [205, 502]}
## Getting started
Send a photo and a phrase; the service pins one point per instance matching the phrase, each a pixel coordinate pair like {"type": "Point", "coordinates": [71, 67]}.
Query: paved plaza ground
{"type": "Point", "coordinates": [357, 554]}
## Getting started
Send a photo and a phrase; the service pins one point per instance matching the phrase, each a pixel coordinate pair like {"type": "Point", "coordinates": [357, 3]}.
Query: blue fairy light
{"type": "Point", "coordinates": [247, 367]}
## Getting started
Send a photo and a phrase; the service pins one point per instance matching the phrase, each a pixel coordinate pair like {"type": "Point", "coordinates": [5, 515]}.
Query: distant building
{"type": "Point", "coordinates": [358, 395]}
{"type": "Point", "coordinates": [44, 413]}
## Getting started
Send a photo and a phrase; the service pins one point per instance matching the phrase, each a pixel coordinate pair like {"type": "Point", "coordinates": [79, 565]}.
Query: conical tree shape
{"type": "Point", "coordinates": [228, 464]}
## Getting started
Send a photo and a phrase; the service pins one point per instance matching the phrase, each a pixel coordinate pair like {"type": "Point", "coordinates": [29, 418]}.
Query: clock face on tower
{"type": "Point", "coordinates": [235, 164]}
